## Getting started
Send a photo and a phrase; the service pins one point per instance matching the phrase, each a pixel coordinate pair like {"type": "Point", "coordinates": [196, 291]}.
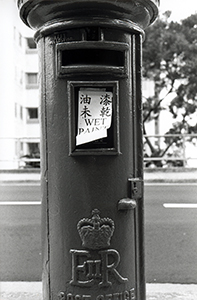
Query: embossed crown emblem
{"type": "Point", "coordinates": [95, 233]}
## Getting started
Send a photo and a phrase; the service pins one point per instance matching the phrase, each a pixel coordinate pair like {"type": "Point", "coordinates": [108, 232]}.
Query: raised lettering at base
{"type": "Point", "coordinates": [125, 295]}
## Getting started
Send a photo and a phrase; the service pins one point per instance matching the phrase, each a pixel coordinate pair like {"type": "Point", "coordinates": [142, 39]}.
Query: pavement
{"type": "Point", "coordinates": [33, 291]}
{"type": "Point", "coordinates": [150, 175]}
{"type": "Point", "coordinates": [154, 291]}
{"type": "Point", "coordinates": [179, 175]}
{"type": "Point", "coordinates": [20, 176]}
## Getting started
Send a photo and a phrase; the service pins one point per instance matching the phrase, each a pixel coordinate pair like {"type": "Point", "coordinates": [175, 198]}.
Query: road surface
{"type": "Point", "coordinates": [170, 233]}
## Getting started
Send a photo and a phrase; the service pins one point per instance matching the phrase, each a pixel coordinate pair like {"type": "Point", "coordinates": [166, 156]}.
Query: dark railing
{"type": "Point", "coordinates": [17, 153]}
{"type": "Point", "coordinates": [172, 150]}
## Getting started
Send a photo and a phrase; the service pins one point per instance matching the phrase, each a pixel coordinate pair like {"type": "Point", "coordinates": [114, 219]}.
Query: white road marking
{"type": "Point", "coordinates": [20, 202]}
{"type": "Point", "coordinates": [180, 205]}
{"type": "Point", "coordinates": [170, 183]}
{"type": "Point", "coordinates": [19, 184]}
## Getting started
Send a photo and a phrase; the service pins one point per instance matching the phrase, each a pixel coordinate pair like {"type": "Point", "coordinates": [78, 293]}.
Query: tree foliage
{"type": "Point", "coordinates": [170, 61]}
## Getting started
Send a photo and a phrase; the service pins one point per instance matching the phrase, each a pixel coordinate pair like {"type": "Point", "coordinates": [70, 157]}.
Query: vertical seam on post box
{"type": "Point", "coordinates": [139, 109]}
{"type": "Point", "coordinates": [135, 85]}
{"type": "Point", "coordinates": [133, 78]}
{"type": "Point", "coordinates": [47, 164]}
{"type": "Point", "coordinates": [140, 167]}
{"type": "Point", "coordinates": [137, 40]}
{"type": "Point", "coordinates": [134, 102]}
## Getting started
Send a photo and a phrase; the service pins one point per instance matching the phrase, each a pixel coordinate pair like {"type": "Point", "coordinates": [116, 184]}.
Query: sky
{"type": "Point", "coordinates": [181, 9]}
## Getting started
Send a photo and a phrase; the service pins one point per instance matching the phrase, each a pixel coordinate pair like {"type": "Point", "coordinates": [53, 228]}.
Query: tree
{"type": "Point", "coordinates": [170, 61]}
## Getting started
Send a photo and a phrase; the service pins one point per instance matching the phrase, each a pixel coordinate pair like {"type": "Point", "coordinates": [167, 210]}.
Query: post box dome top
{"type": "Point", "coordinates": [39, 13]}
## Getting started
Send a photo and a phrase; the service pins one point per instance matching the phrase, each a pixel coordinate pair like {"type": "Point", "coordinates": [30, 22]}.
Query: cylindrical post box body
{"type": "Point", "coordinates": [92, 168]}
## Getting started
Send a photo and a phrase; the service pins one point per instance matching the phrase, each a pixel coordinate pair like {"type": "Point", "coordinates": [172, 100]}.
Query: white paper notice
{"type": "Point", "coordinates": [94, 115]}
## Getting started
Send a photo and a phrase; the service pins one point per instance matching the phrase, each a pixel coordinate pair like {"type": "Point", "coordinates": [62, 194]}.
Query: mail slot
{"type": "Point", "coordinates": [92, 56]}
{"type": "Point", "coordinates": [96, 57]}
{"type": "Point", "coordinates": [92, 166]}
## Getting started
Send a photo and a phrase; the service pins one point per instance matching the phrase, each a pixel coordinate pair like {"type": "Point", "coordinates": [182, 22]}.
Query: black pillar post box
{"type": "Point", "coordinates": [92, 166]}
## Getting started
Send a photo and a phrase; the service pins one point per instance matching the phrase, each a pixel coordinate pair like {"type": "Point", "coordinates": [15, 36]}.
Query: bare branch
{"type": "Point", "coordinates": [159, 102]}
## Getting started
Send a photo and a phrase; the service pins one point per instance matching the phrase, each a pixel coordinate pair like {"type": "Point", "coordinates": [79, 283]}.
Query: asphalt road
{"type": "Point", "coordinates": [170, 233]}
{"type": "Point", "coordinates": [20, 238]}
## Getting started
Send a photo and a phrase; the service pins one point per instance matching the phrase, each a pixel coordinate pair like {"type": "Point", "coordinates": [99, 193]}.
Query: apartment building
{"type": "Point", "coordinates": [19, 94]}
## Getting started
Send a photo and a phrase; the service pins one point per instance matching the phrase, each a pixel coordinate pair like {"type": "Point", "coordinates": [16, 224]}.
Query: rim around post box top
{"type": "Point", "coordinates": [135, 14]}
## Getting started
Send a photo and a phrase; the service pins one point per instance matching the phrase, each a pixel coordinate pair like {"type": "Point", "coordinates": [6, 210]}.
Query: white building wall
{"type": "Point", "coordinates": [7, 147]}
{"type": "Point", "coordinates": [15, 61]}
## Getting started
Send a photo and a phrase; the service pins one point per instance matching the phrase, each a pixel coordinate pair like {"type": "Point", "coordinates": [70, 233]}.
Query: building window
{"type": "Point", "coordinates": [21, 112]}
{"type": "Point", "coordinates": [21, 77]}
{"type": "Point", "coordinates": [20, 39]}
{"type": "Point", "coordinates": [32, 80]}
{"type": "Point", "coordinates": [31, 45]}
{"type": "Point", "coordinates": [34, 149]}
{"type": "Point", "coordinates": [32, 115]}
{"type": "Point", "coordinates": [21, 147]}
